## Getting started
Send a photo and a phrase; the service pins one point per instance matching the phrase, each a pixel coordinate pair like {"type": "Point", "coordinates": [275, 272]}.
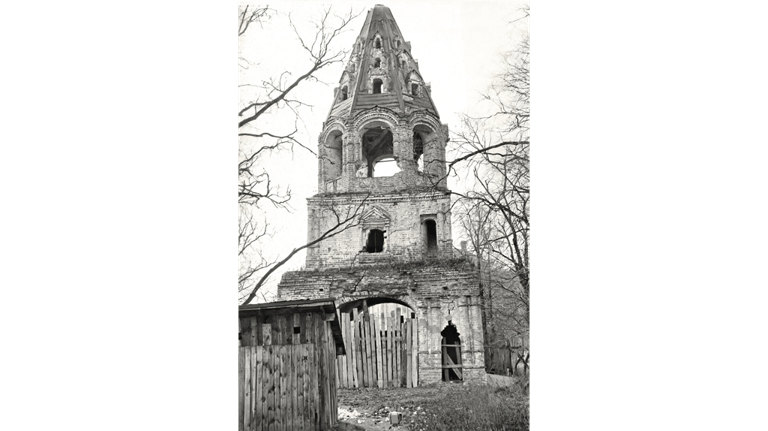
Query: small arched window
{"type": "Point", "coordinates": [378, 43]}
{"type": "Point", "coordinates": [344, 93]}
{"type": "Point", "coordinates": [377, 86]}
{"type": "Point", "coordinates": [377, 63]}
{"type": "Point", "coordinates": [415, 89]}
{"type": "Point", "coordinates": [397, 44]}
{"type": "Point", "coordinates": [402, 64]}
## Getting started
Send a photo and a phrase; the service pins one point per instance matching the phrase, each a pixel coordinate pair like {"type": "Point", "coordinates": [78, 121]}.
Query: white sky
{"type": "Point", "coordinates": [458, 45]}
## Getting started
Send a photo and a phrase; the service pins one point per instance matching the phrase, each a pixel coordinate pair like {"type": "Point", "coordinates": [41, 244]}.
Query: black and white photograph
{"type": "Point", "coordinates": [404, 302]}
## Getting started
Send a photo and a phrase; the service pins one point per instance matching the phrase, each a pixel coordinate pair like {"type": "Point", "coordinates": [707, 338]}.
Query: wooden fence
{"type": "Point", "coordinates": [279, 385]}
{"type": "Point", "coordinates": [381, 350]}
{"type": "Point", "coordinates": [512, 359]}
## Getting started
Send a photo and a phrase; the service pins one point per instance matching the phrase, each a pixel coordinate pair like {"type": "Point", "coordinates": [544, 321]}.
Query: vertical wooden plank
{"type": "Point", "coordinates": [298, 421]}
{"type": "Point", "coordinates": [358, 359]}
{"type": "Point", "coordinates": [247, 386]}
{"type": "Point", "coordinates": [289, 386]}
{"type": "Point", "coordinates": [321, 368]}
{"type": "Point", "coordinates": [371, 354]}
{"type": "Point", "coordinates": [390, 347]}
{"type": "Point", "coordinates": [409, 353]}
{"type": "Point", "coordinates": [446, 376]}
{"type": "Point", "coordinates": [258, 377]}
{"type": "Point", "coordinates": [297, 324]}
{"type": "Point", "coordinates": [334, 411]}
{"type": "Point", "coordinates": [296, 358]}
{"type": "Point", "coordinates": [399, 346]}
{"type": "Point", "coordinates": [308, 369]}
{"type": "Point", "coordinates": [270, 386]}
{"type": "Point", "coordinates": [459, 360]}
{"type": "Point", "coordinates": [361, 342]}
{"type": "Point", "coordinates": [316, 378]}
{"type": "Point", "coordinates": [343, 359]}
{"type": "Point", "coordinates": [364, 316]}
{"type": "Point", "coordinates": [326, 386]}
{"type": "Point", "coordinates": [376, 325]}
{"type": "Point", "coordinates": [415, 350]}
{"type": "Point", "coordinates": [241, 388]}
{"type": "Point", "coordinates": [350, 342]}
{"type": "Point", "coordinates": [312, 370]}
{"type": "Point", "coordinates": [258, 330]}
{"type": "Point", "coordinates": [384, 329]}
{"type": "Point", "coordinates": [403, 355]}
{"type": "Point", "coordinates": [330, 352]}
{"type": "Point", "coordinates": [280, 383]}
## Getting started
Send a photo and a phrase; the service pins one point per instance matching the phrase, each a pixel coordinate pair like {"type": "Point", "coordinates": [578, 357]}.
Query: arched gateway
{"type": "Point", "coordinates": [393, 274]}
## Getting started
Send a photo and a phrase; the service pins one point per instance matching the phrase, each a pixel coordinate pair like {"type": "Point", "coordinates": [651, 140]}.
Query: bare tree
{"type": "Point", "coordinates": [269, 98]}
{"type": "Point", "coordinates": [492, 154]}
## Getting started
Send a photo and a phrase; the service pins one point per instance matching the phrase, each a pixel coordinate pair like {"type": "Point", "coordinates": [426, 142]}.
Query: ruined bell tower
{"type": "Point", "coordinates": [381, 156]}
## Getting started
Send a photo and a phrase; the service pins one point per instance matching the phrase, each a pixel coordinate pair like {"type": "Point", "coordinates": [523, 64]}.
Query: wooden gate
{"type": "Point", "coordinates": [451, 361]}
{"type": "Point", "coordinates": [279, 387]}
{"type": "Point", "coordinates": [381, 350]}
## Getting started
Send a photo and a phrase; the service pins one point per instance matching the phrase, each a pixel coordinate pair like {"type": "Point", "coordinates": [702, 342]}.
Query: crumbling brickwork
{"type": "Point", "coordinates": [438, 292]}
{"type": "Point", "coordinates": [400, 248]}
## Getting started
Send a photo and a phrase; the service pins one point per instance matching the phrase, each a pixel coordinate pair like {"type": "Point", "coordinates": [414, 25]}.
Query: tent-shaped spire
{"type": "Point", "coordinates": [381, 71]}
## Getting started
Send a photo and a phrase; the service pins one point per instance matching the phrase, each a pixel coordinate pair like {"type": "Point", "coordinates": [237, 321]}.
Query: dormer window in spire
{"type": "Point", "coordinates": [377, 83]}
{"type": "Point", "coordinates": [377, 63]}
{"type": "Point", "coordinates": [377, 42]}
{"type": "Point", "coordinates": [344, 93]}
{"type": "Point", "coordinates": [397, 44]}
{"type": "Point", "coordinates": [414, 89]}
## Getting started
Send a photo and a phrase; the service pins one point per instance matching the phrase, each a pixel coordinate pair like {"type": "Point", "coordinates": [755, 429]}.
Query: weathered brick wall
{"type": "Point", "coordinates": [438, 292]}
{"type": "Point", "coordinates": [402, 216]}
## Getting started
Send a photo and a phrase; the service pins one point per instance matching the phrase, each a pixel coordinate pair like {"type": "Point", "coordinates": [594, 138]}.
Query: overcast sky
{"type": "Point", "coordinates": [458, 44]}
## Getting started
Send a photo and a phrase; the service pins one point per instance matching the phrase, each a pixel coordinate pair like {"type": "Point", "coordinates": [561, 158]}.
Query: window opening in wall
{"type": "Point", "coordinates": [418, 150]}
{"type": "Point", "coordinates": [385, 168]}
{"type": "Point", "coordinates": [378, 43]}
{"type": "Point", "coordinates": [431, 237]}
{"type": "Point", "coordinates": [377, 63]}
{"type": "Point", "coordinates": [402, 64]}
{"type": "Point", "coordinates": [375, 243]}
{"type": "Point", "coordinates": [377, 86]}
{"type": "Point", "coordinates": [344, 93]}
{"type": "Point", "coordinates": [397, 44]}
{"type": "Point", "coordinates": [451, 353]}
{"type": "Point", "coordinates": [415, 89]}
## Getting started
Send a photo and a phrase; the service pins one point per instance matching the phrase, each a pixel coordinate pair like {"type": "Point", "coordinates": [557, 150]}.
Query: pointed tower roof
{"type": "Point", "coordinates": [381, 71]}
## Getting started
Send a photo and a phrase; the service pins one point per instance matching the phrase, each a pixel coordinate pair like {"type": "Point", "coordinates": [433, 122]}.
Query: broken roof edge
{"type": "Point", "coordinates": [323, 305]}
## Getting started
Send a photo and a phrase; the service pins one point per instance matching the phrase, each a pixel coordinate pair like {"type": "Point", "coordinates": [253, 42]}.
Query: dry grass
{"type": "Point", "coordinates": [446, 406]}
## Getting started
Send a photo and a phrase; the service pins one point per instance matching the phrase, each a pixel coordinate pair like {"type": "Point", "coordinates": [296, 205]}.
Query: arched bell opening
{"type": "Point", "coordinates": [333, 157]}
{"type": "Point", "coordinates": [378, 146]}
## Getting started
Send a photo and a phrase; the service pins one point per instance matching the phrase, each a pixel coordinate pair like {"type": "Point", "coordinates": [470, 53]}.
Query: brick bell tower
{"type": "Point", "coordinates": [383, 146]}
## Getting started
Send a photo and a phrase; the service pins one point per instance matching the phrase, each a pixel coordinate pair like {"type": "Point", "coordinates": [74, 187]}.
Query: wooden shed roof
{"type": "Point", "coordinates": [327, 307]}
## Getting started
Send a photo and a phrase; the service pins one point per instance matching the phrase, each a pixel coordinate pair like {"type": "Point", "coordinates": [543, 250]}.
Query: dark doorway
{"type": "Point", "coordinates": [431, 237]}
{"type": "Point", "coordinates": [377, 86]}
{"type": "Point", "coordinates": [451, 348]}
{"type": "Point", "coordinates": [375, 243]}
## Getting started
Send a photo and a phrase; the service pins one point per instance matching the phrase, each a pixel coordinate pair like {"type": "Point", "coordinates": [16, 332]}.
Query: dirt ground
{"type": "Point", "coordinates": [369, 408]}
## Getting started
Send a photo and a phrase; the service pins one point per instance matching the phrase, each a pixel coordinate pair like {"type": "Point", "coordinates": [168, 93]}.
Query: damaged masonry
{"type": "Point", "coordinates": [400, 252]}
